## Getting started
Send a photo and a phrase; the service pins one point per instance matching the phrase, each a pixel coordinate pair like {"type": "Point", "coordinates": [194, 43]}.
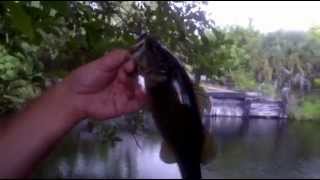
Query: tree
{"type": "Point", "coordinates": [56, 37]}
{"type": "Point", "coordinates": [211, 55]}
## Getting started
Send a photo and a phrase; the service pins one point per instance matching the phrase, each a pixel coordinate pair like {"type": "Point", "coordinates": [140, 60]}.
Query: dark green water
{"type": "Point", "coordinates": [256, 148]}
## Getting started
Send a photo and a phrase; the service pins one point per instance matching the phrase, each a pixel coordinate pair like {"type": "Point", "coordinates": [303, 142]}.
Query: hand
{"type": "Point", "coordinates": [102, 89]}
{"type": "Point", "coordinates": [105, 88]}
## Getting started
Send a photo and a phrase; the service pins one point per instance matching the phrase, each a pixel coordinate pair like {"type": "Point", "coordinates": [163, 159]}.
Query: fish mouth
{"type": "Point", "coordinates": [137, 48]}
{"type": "Point", "coordinates": [137, 52]}
{"type": "Point", "coordinates": [145, 58]}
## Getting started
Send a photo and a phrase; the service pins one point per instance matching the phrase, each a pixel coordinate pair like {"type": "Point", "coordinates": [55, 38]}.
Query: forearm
{"type": "Point", "coordinates": [101, 89]}
{"type": "Point", "coordinates": [29, 136]}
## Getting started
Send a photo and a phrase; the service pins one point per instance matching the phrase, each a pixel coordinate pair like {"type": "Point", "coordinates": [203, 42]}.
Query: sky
{"type": "Point", "coordinates": [267, 16]}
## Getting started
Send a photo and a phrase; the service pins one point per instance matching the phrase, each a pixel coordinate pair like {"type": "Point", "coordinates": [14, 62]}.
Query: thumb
{"type": "Point", "coordinates": [113, 60]}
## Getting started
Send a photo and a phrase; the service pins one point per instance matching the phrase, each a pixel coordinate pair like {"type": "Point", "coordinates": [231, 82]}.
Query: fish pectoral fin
{"type": "Point", "coordinates": [166, 154]}
{"type": "Point", "coordinates": [208, 150]}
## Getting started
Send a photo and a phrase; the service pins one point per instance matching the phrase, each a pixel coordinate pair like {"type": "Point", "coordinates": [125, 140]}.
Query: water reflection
{"type": "Point", "coordinates": [254, 148]}
{"type": "Point", "coordinates": [226, 126]}
{"type": "Point", "coordinates": [125, 160]}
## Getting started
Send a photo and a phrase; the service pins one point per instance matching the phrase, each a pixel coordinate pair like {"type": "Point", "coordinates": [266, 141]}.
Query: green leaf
{"type": "Point", "coordinates": [20, 19]}
{"type": "Point", "coordinates": [35, 4]}
{"type": "Point", "coordinates": [60, 6]}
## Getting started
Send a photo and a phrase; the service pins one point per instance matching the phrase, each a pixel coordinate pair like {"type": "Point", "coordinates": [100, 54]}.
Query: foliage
{"type": "Point", "coordinates": [20, 80]}
{"type": "Point", "coordinates": [309, 109]}
{"type": "Point", "coordinates": [44, 41]}
{"type": "Point", "coordinates": [212, 55]}
{"type": "Point", "coordinates": [273, 61]}
{"type": "Point", "coordinates": [316, 82]}
{"type": "Point", "coordinates": [268, 90]}
{"type": "Point", "coordinates": [95, 27]}
{"type": "Point", "coordinates": [243, 56]}
{"type": "Point", "coordinates": [107, 134]}
{"type": "Point", "coordinates": [244, 80]}
{"type": "Point", "coordinates": [56, 37]}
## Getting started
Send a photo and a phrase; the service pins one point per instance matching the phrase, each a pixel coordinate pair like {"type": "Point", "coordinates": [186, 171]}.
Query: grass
{"type": "Point", "coordinates": [308, 110]}
{"type": "Point", "coordinates": [316, 83]}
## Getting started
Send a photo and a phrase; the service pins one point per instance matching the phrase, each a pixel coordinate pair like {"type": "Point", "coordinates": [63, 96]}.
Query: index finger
{"type": "Point", "coordinates": [113, 60]}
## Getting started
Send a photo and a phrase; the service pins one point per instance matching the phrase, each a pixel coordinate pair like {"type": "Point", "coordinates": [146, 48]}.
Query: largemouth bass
{"type": "Point", "coordinates": [174, 107]}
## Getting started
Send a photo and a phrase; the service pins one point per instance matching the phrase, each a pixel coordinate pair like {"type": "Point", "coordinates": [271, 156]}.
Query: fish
{"type": "Point", "coordinates": [174, 107]}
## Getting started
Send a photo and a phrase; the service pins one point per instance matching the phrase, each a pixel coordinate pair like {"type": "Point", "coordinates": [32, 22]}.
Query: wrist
{"type": "Point", "coordinates": [62, 102]}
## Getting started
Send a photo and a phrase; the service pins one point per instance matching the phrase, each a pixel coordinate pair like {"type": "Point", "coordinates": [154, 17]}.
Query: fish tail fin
{"type": "Point", "coordinates": [190, 170]}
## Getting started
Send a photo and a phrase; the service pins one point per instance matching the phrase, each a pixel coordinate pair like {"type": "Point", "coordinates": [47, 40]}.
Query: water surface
{"type": "Point", "coordinates": [255, 148]}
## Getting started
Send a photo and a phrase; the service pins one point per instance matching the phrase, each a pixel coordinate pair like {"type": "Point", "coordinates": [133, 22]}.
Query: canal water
{"type": "Point", "coordinates": [254, 148]}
